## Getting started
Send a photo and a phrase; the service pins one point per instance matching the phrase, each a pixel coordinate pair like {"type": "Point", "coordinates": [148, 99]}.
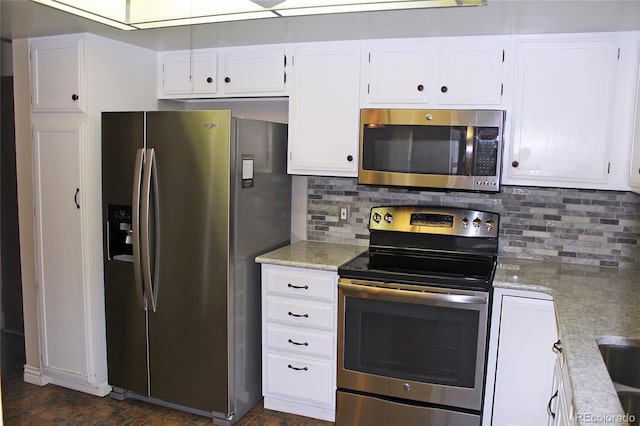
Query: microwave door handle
{"type": "Point", "coordinates": [469, 151]}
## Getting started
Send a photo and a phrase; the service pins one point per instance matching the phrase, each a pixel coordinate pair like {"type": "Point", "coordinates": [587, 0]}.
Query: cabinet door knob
{"type": "Point", "coordinates": [74, 97]}
{"type": "Point", "coordinates": [420, 87]}
{"type": "Point", "coordinates": [349, 158]}
{"type": "Point", "coordinates": [444, 89]}
{"type": "Point", "coordinates": [227, 80]}
{"type": "Point", "coordinates": [514, 164]}
{"type": "Point", "coordinates": [209, 80]}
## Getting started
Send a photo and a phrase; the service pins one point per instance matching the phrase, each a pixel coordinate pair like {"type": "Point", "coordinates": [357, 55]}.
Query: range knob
{"type": "Point", "coordinates": [477, 222]}
{"type": "Point", "coordinates": [388, 218]}
{"type": "Point", "coordinates": [377, 218]}
{"type": "Point", "coordinates": [490, 224]}
{"type": "Point", "coordinates": [465, 222]}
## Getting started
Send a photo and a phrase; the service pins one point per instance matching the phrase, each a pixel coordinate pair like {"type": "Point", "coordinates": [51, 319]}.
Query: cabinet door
{"type": "Point", "coordinates": [323, 111]}
{"type": "Point", "coordinates": [59, 249]}
{"type": "Point", "coordinates": [562, 112]}
{"type": "Point", "coordinates": [188, 72]}
{"type": "Point", "coordinates": [254, 71]}
{"type": "Point", "coordinates": [57, 75]}
{"type": "Point", "coordinates": [525, 364]}
{"type": "Point", "coordinates": [470, 72]}
{"type": "Point", "coordinates": [398, 73]}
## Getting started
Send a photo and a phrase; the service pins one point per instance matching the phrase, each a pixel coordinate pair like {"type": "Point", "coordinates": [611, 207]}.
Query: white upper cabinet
{"type": "Point", "coordinates": [188, 73]}
{"type": "Point", "coordinates": [323, 110]}
{"type": "Point", "coordinates": [255, 71]}
{"type": "Point", "coordinates": [62, 90]}
{"type": "Point", "coordinates": [571, 119]}
{"type": "Point", "coordinates": [227, 72]}
{"type": "Point", "coordinates": [448, 72]}
{"type": "Point", "coordinates": [470, 71]}
{"type": "Point", "coordinates": [397, 73]}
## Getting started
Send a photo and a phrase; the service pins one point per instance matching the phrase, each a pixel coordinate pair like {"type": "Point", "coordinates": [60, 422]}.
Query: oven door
{"type": "Point", "coordinates": [412, 342]}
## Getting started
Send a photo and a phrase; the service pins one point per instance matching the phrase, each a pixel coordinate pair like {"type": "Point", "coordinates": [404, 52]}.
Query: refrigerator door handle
{"type": "Point", "coordinates": [149, 185]}
{"type": "Point", "coordinates": [135, 227]}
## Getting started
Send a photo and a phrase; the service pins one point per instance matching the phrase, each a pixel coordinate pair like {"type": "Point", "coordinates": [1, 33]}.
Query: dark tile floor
{"type": "Point", "coordinates": [26, 404]}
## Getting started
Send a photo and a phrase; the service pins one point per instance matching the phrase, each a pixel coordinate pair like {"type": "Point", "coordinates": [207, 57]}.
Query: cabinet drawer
{"type": "Point", "coordinates": [301, 342]}
{"type": "Point", "coordinates": [300, 283]}
{"type": "Point", "coordinates": [291, 311]}
{"type": "Point", "coordinates": [299, 379]}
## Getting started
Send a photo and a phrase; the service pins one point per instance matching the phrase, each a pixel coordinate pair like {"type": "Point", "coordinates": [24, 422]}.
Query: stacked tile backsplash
{"type": "Point", "coordinates": [587, 227]}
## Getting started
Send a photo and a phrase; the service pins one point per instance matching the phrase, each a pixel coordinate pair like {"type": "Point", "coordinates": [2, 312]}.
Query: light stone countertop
{"type": "Point", "coordinates": [591, 303]}
{"type": "Point", "coordinates": [312, 255]}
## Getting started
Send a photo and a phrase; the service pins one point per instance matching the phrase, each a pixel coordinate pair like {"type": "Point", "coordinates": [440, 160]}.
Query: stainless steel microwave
{"type": "Point", "coordinates": [446, 149]}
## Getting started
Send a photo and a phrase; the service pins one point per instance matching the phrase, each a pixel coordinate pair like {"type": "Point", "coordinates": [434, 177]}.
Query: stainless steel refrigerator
{"type": "Point", "coordinates": [190, 198]}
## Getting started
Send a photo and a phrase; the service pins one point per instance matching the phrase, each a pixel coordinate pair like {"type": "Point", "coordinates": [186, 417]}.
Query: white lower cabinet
{"type": "Point", "coordinates": [60, 219]}
{"type": "Point", "coordinates": [521, 359]}
{"type": "Point", "coordinates": [561, 399]}
{"type": "Point", "coordinates": [299, 340]}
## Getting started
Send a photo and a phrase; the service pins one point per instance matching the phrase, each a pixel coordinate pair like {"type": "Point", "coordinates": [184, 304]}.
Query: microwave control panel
{"type": "Point", "coordinates": [486, 152]}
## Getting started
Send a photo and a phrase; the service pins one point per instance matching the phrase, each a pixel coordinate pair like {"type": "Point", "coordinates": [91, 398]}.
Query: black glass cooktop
{"type": "Point", "coordinates": [436, 269]}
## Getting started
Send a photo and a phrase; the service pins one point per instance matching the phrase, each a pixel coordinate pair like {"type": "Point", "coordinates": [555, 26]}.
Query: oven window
{"type": "Point", "coordinates": [421, 343]}
{"type": "Point", "coordinates": [415, 149]}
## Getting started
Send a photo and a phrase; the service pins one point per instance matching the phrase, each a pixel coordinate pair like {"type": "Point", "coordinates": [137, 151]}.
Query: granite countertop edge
{"type": "Point", "coordinates": [312, 255]}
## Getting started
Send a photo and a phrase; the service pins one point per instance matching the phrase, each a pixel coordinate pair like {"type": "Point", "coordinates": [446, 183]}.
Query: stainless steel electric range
{"type": "Point", "coordinates": [413, 318]}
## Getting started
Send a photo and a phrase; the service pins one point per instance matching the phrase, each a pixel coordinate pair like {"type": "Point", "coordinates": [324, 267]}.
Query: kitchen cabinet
{"type": "Point", "coordinates": [323, 110]}
{"type": "Point", "coordinates": [470, 71]}
{"type": "Point", "coordinates": [571, 118]}
{"type": "Point", "coordinates": [254, 71]}
{"type": "Point", "coordinates": [67, 201]}
{"type": "Point", "coordinates": [64, 89]}
{"type": "Point", "coordinates": [60, 218]}
{"type": "Point", "coordinates": [299, 340]}
{"type": "Point", "coordinates": [521, 360]}
{"type": "Point", "coordinates": [560, 405]}
{"type": "Point", "coordinates": [398, 73]}
{"type": "Point", "coordinates": [188, 72]}
{"type": "Point", "coordinates": [447, 72]}
{"type": "Point", "coordinates": [228, 72]}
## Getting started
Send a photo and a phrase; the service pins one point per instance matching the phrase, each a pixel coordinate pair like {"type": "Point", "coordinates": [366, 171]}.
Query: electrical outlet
{"type": "Point", "coordinates": [344, 214]}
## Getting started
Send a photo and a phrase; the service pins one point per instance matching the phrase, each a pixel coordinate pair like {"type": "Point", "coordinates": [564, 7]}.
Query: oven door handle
{"type": "Point", "coordinates": [424, 293]}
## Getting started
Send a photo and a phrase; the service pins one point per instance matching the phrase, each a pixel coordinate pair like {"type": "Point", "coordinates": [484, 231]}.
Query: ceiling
{"type": "Point", "coordinates": [23, 18]}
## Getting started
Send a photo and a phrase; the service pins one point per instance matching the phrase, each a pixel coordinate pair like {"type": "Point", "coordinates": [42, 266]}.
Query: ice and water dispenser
{"type": "Point", "coordinates": [120, 234]}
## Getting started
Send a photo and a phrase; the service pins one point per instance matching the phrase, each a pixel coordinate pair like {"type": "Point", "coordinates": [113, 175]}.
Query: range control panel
{"type": "Point", "coordinates": [435, 220]}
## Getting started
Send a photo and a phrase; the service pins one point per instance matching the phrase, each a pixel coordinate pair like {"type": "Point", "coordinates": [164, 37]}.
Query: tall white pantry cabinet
{"type": "Point", "coordinates": [73, 79]}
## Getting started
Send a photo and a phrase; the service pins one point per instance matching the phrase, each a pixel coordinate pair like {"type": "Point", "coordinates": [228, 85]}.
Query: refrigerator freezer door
{"type": "Point", "coordinates": [122, 136]}
{"type": "Point", "coordinates": [188, 333]}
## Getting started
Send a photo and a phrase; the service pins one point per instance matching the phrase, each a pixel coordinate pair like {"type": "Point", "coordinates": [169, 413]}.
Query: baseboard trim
{"type": "Point", "coordinates": [34, 376]}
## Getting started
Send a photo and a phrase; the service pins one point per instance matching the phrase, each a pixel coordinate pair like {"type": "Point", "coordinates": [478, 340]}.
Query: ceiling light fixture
{"type": "Point", "coordinates": [144, 14]}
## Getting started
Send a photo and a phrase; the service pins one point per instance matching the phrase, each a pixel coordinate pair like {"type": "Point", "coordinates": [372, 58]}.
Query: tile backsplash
{"type": "Point", "coordinates": [587, 227]}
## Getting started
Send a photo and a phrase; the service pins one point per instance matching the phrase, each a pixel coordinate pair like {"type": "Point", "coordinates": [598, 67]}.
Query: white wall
{"type": "Point", "coordinates": [25, 199]}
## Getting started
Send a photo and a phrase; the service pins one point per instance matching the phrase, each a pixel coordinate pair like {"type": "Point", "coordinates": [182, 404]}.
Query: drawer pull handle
{"type": "Point", "coordinates": [305, 287]}
{"type": "Point", "coordinates": [297, 343]}
{"type": "Point", "coordinates": [557, 347]}
{"type": "Point", "coordinates": [291, 314]}
{"type": "Point", "coordinates": [297, 368]}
